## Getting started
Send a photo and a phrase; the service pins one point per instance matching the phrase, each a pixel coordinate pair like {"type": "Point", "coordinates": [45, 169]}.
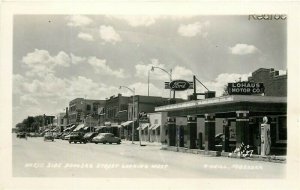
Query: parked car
{"type": "Point", "coordinates": [22, 135]}
{"type": "Point", "coordinates": [106, 138]}
{"type": "Point", "coordinates": [48, 136]}
{"type": "Point", "coordinates": [58, 135]}
{"type": "Point", "coordinates": [77, 137]}
{"type": "Point", "coordinates": [219, 139]}
{"type": "Point", "coordinates": [89, 136]}
{"type": "Point", "coordinates": [64, 135]}
{"type": "Point", "coordinates": [67, 137]}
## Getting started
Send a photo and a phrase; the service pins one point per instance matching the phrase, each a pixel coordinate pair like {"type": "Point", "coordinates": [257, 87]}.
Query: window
{"type": "Point", "coordinates": [158, 131]}
{"type": "Point", "coordinates": [88, 107]}
{"type": "Point", "coordinates": [156, 121]}
{"type": "Point", "coordinates": [166, 131]}
{"type": "Point", "coordinates": [153, 132]}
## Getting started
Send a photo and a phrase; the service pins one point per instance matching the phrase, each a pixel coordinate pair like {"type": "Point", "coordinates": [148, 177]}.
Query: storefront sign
{"type": "Point", "coordinates": [245, 88]}
{"type": "Point", "coordinates": [143, 117]}
{"type": "Point", "coordinates": [179, 85]}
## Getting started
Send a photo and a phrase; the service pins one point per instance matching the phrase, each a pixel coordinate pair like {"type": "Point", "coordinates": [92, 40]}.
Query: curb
{"type": "Point", "coordinates": [275, 159]}
{"type": "Point", "coordinates": [142, 144]}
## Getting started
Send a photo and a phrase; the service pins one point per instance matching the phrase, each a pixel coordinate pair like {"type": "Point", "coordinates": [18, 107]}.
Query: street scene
{"type": "Point", "coordinates": [33, 157]}
{"type": "Point", "coordinates": [157, 96]}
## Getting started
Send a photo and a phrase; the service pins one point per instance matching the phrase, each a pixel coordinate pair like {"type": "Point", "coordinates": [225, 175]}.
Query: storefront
{"type": "Point", "coordinates": [237, 117]}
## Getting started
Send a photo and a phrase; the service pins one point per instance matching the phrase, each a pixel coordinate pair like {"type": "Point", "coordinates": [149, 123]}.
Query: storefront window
{"type": "Point", "coordinates": [158, 131]}
{"type": "Point", "coordinates": [282, 129]}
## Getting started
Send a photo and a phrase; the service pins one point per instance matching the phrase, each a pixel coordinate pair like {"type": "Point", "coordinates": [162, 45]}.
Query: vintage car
{"type": "Point", "coordinates": [89, 136]}
{"type": "Point", "coordinates": [48, 136]}
{"type": "Point", "coordinates": [64, 134]}
{"type": "Point", "coordinates": [22, 135]}
{"type": "Point", "coordinates": [77, 137]}
{"type": "Point", "coordinates": [106, 138]}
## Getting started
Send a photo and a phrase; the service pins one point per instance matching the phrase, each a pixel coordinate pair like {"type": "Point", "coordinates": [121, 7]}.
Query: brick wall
{"type": "Point", "coordinates": [275, 84]}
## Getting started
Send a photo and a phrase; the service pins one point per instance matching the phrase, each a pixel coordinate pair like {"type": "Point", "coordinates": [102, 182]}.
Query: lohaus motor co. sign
{"type": "Point", "coordinates": [245, 88]}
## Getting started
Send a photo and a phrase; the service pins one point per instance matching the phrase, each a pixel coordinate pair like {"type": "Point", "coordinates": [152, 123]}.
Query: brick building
{"type": "Point", "coordinates": [80, 109]}
{"type": "Point", "coordinates": [275, 84]}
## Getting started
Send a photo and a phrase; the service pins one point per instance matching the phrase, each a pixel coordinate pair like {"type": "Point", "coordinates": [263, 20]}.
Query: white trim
{"type": "Point", "coordinates": [242, 119]}
{"type": "Point", "coordinates": [242, 111]}
{"type": "Point", "coordinates": [220, 100]}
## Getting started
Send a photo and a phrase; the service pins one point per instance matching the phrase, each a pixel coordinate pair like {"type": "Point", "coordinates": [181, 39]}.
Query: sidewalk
{"type": "Point", "coordinates": [271, 158]}
{"type": "Point", "coordinates": [143, 143]}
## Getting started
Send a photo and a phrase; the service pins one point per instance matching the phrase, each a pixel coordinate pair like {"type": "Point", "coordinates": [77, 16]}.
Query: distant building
{"type": "Point", "coordinates": [143, 104]}
{"type": "Point", "coordinates": [80, 109]}
{"type": "Point", "coordinates": [116, 109]}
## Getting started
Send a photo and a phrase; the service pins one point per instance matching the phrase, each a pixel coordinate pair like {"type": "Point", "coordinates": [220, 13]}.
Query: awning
{"type": "Point", "coordinates": [155, 126]}
{"type": "Point", "coordinates": [126, 123]}
{"type": "Point", "coordinates": [114, 125]}
{"type": "Point", "coordinates": [70, 128]}
{"type": "Point", "coordinates": [80, 126]}
{"type": "Point", "coordinates": [99, 127]}
{"type": "Point", "coordinates": [143, 126]}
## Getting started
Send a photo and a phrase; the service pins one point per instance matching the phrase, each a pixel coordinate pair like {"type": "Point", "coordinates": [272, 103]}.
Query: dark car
{"type": "Point", "coordinates": [106, 138]}
{"type": "Point", "coordinates": [77, 137]}
{"type": "Point", "coordinates": [22, 135]}
{"type": "Point", "coordinates": [58, 135]}
{"type": "Point", "coordinates": [219, 139]}
{"type": "Point", "coordinates": [48, 136]}
{"type": "Point", "coordinates": [89, 136]}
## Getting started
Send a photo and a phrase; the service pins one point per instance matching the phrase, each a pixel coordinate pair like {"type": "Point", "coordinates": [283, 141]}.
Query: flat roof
{"type": "Point", "coordinates": [223, 100]}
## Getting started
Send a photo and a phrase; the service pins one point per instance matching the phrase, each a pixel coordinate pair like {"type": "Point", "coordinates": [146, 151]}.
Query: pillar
{"type": "Point", "coordinates": [242, 128]}
{"type": "Point", "coordinates": [191, 131]}
{"type": "Point", "coordinates": [210, 125]}
{"type": "Point", "coordinates": [273, 124]}
{"type": "Point", "coordinates": [171, 131]}
{"type": "Point", "coordinates": [226, 136]}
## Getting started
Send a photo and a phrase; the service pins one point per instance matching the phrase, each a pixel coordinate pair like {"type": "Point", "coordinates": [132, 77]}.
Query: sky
{"type": "Point", "coordinates": [57, 58]}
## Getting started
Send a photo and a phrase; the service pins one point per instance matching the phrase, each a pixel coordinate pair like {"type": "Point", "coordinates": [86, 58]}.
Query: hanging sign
{"type": "Point", "coordinates": [179, 85]}
{"type": "Point", "coordinates": [245, 88]}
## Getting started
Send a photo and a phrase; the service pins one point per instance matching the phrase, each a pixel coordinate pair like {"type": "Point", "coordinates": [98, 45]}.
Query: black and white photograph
{"type": "Point", "coordinates": [150, 97]}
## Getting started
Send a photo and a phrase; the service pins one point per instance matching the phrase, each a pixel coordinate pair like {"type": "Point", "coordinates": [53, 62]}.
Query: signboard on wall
{"type": "Point", "coordinates": [245, 88]}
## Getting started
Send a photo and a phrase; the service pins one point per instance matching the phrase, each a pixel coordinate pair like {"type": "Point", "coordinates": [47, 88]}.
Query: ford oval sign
{"type": "Point", "coordinates": [179, 85]}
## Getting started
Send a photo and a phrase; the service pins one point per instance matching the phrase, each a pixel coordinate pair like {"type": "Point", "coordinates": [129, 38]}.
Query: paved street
{"type": "Point", "coordinates": [35, 158]}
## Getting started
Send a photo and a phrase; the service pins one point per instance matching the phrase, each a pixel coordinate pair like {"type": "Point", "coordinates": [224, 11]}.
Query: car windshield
{"type": "Point", "coordinates": [88, 134]}
{"type": "Point", "coordinates": [48, 133]}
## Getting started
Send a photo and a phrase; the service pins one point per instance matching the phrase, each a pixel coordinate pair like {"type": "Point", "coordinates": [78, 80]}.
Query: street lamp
{"type": "Point", "coordinates": [133, 92]}
{"type": "Point", "coordinates": [169, 73]}
{"type": "Point", "coordinates": [148, 80]}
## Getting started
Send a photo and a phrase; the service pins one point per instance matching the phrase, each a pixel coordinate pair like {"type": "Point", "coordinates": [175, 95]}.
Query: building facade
{"type": "Point", "coordinates": [80, 109]}
{"type": "Point", "coordinates": [275, 84]}
{"type": "Point", "coordinates": [238, 118]}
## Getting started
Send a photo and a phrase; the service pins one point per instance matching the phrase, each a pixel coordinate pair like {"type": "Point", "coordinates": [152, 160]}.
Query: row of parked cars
{"type": "Point", "coordinates": [80, 137]}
